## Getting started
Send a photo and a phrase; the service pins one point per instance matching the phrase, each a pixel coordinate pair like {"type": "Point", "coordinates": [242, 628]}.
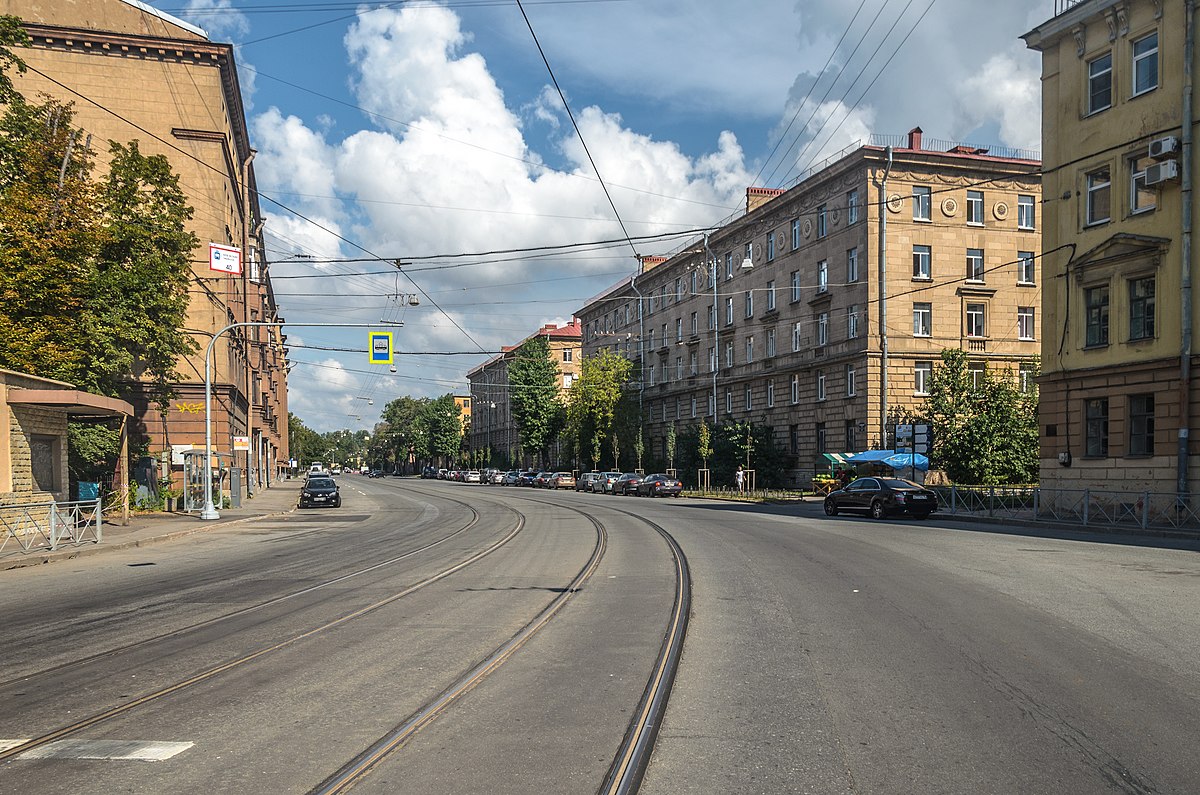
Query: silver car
{"type": "Point", "coordinates": [604, 483]}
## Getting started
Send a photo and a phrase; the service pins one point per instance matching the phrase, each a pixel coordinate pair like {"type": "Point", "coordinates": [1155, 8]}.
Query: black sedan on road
{"type": "Point", "coordinates": [881, 497]}
{"type": "Point", "coordinates": [659, 486]}
{"type": "Point", "coordinates": [627, 483]}
{"type": "Point", "coordinates": [320, 491]}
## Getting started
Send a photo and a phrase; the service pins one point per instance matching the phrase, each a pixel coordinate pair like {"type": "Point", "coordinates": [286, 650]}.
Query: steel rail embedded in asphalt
{"type": "Point", "coordinates": [100, 717]}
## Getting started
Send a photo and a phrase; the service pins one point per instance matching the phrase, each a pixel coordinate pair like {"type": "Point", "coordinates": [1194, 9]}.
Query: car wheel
{"type": "Point", "coordinates": [877, 510]}
{"type": "Point", "coordinates": [831, 508]}
{"type": "Point", "coordinates": [337, 503]}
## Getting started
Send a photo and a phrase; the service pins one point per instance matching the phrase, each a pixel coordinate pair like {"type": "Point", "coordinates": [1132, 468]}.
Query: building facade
{"type": "Point", "coordinates": [1116, 401]}
{"type": "Point", "coordinates": [784, 318]}
{"type": "Point", "coordinates": [493, 427]}
{"type": "Point", "coordinates": [136, 73]}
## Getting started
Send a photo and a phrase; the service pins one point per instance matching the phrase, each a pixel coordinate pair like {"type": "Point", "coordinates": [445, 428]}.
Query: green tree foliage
{"type": "Point", "coordinates": [11, 35]}
{"type": "Point", "coordinates": [304, 444]}
{"type": "Point", "coordinates": [537, 409]}
{"type": "Point", "coordinates": [593, 399]}
{"type": "Point", "coordinates": [670, 444]}
{"type": "Point", "coordinates": [704, 442]}
{"type": "Point", "coordinates": [984, 434]}
{"type": "Point", "coordinates": [402, 432]}
{"type": "Point", "coordinates": [442, 421]}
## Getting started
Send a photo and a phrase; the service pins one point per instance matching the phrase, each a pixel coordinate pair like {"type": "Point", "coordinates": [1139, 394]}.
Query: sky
{"type": "Point", "coordinates": [421, 152]}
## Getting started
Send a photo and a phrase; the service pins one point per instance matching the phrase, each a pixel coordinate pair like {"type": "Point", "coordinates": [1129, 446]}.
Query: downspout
{"type": "Point", "coordinates": [641, 346]}
{"type": "Point", "coordinates": [883, 340]}
{"type": "Point", "coordinates": [711, 272]}
{"type": "Point", "coordinates": [252, 446]}
{"type": "Point", "coordinates": [1185, 265]}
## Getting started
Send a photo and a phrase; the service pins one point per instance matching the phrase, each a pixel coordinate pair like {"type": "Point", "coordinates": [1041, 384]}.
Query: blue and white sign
{"type": "Point", "coordinates": [225, 259]}
{"type": "Point", "coordinates": [380, 347]}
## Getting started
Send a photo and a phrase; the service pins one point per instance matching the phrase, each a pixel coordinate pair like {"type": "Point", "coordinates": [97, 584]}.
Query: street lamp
{"type": "Point", "coordinates": [210, 511]}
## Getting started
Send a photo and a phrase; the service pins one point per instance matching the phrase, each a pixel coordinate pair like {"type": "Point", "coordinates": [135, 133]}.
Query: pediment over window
{"type": "Point", "coordinates": [1122, 248]}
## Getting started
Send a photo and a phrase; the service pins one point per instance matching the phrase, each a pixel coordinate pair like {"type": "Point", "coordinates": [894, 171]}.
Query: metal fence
{"type": "Point", "coordinates": [50, 526]}
{"type": "Point", "coordinates": [1120, 510]}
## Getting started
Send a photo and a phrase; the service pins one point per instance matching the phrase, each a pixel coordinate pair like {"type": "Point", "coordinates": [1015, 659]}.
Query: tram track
{"type": "Point", "coordinates": [239, 661]}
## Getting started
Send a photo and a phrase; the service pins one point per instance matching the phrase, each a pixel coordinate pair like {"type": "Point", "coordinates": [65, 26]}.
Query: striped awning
{"type": "Point", "coordinates": [838, 458]}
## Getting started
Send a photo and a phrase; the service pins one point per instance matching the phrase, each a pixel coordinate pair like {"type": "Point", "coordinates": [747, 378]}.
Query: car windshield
{"type": "Point", "coordinates": [320, 483]}
{"type": "Point", "coordinates": [897, 483]}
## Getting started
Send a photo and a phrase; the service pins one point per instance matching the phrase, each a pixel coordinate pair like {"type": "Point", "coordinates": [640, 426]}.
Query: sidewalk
{"type": "Point", "coordinates": [150, 528]}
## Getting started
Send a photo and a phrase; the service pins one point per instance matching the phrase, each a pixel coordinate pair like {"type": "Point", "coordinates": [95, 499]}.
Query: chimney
{"type": "Point", "coordinates": [650, 262]}
{"type": "Point", "coordinates": [914, 138]}
{"type": "Point", "coordinates": [757, 197]}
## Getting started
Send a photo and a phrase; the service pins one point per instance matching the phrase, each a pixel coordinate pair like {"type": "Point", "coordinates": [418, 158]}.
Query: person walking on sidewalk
{"type": "Point", "coordinates": [739, 478]}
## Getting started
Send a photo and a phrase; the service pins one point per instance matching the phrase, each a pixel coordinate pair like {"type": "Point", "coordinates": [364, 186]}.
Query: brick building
{"type": "Point", "coordinates": [136, 73]}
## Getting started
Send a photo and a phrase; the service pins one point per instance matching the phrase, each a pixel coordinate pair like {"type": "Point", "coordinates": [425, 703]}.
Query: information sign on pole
{"type": "Point", "coordinates": [380, 347]}
{"type": "Point", "coordinates": [225, 259]}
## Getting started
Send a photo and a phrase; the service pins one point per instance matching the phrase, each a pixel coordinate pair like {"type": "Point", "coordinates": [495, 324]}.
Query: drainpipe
{"type": "Point", "coordinates": [248, 348]}
{"type": "Point", "coordinates": [641, 346]}
{"type": "Point", "coordinates": [711, 271]}
{"type": "Point", "coordinates": [883, 340]}
{"type": "Point", "coordinates": [1185, 265]}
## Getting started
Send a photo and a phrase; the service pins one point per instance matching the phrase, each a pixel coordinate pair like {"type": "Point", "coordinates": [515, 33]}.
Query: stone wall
{"type": "Point", "coordinates": [24, 423]}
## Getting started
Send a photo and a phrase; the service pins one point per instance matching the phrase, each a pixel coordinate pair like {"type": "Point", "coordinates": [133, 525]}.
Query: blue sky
{"type": "Point", "coordinates": [439, 133]}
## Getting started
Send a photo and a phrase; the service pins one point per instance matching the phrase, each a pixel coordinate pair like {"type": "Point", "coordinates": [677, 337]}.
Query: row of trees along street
{"type": "Point", "coordinates": [94, 262]}
{"type": "Point", "coordinates": [984, 427]}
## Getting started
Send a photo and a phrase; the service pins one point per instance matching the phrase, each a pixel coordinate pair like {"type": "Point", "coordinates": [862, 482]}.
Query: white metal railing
{"type": "Point", "coordinates": [49, 526]}
{"type": "Point", "coordinates": [1131, 510]}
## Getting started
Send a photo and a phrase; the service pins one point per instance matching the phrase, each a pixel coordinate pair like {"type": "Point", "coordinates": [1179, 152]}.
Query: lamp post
{"type": "Point", "coordinates": [210, 511]}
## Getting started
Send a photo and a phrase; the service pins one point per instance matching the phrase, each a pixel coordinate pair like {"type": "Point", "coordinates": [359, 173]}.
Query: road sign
{"type": "Point", "coordinates": [225, 259]}
{"type": "Point", "coordinates": [380, 347]}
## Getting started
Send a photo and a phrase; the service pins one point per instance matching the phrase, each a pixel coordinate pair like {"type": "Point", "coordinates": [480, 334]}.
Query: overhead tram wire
{"type": "Point", "coordinates": [578, 132]}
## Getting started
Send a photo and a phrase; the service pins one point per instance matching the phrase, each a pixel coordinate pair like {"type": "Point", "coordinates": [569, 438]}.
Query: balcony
{"type": "Point", "coordinates": [977, 346]}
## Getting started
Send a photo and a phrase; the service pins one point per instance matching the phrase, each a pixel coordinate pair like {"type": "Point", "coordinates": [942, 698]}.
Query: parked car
{"type": "Point", "coordinates": [320, 491]}
{"type": "Point", "coordinates": [472, 476]}
{"type": "Point", "coordinates": [494, 477]}
{"type": "Point", "coordinates": [604, 483]}
{"type": "Point", "coordinates": [882, 497]}
{"type": "Point", "coordinates": [627, 483]}
{"type": "Point", "coordinates": [542, 480]}
{"type": "Point", "coordinates": [561, 480]}
{"type": "Point", "coordinates": [527, 478]}
{"type": "Point", "coordinates": [584, 481]}
{"type": "Point", "coordinates": [659, 486]}
{"type": "Point", "coordinates": [511, 478]}
{"type": "Point", "coordinates": [375, 473]}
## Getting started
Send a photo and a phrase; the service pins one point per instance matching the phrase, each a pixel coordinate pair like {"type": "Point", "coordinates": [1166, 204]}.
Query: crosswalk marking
{"type": "Point", "coordinates": [123, 750]}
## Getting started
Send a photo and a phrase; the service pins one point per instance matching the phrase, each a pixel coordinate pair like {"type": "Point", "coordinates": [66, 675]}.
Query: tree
{"type": "Point", "coordinates": [304, 444]}
{"type": "Point", "coordinates": [704, 443]}
{"type": "Point", "coordinates": [593, 399]}
{"type": "Point", "coordinates": [402, 433]}
{"type": "Point", "coordinates": [671, 446]}
{"type": "Point", "coordinates": [441, 419]}
{"type": "Point", "coordinates": [12, 34]}
{"type": "Point", "coordinates": [537, 409]}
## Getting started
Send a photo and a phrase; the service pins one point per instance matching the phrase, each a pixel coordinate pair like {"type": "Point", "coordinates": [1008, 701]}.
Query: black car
{"type": "Point", "coordinates": [659, 486]}
{"type": "Point", "coordinates": [627, 483]}
{"type": "Point", "coordinates": [882, 497]}
{"type": "Point", "coordinates": [320, 491]}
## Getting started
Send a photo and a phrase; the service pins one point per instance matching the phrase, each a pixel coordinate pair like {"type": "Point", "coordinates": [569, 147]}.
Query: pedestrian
{"type": "Point", "coordinates": [740, 479]}
{"type": "Point", "coordinates": [845, 477]}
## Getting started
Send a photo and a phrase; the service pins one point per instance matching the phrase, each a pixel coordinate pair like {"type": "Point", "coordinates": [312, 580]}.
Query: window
{"type": "Point", "coordinates": [851, 381]}
{"type": "Point", "coordinates": [728, 265]}
{"type": "Point", "coordinates": [852, 207]}
{"type": "Point", "coordinates": [822, 227]}
{"type": "Point", "coordinates": [922, 262]}
{"type": "Point", "coordinates": [750, 251]}
{"type": "Point", "coordinates": [693, 363]}
{"type": "Point", "coordinates": [1099, 198]}
{"type": "Point", "coordinates": [770, 342]}
{"type": "Point", "coordinates": [695, 282]}
{"type": "Point", "coordinates": [771, 296]}
{"type": "Point", "coordinates": [729, 311]}
{"type": "Point", "coordinates": [665, 373]}
{"type": "Point", "coordinates": [822, 276]}
{"type": "Point", "coordinates": [974, 264]}
{"type": "Point", "coordinates": [795, 389]}
{"type": "Point", "coordinates": [1100, 83]}
{"type": "Point", "coordinates": [1096, 427]}
{"type": "Point", "coordinates": [795, 233]}
{"type": "Point", "coordinates": [1142, 197]}
{"type": "Point", "coordinates": [729, 354]}
{"type": "Point", "coordinates": [1141, 308]}
{"type": "Point", "coordinates": [851, 265]}
{"type": "Point", "coordinates": [1095, 300]}
{"type": "Point", "coordinates": [678, 289]}
{"type": "Point", "coordinates": [695, 323]}
{"type": "Point", "coordinates": [823, 328]}
{"type": "Point", "coordinates": [750, 349]}
{"type": "Point", "coordinates": [1141, 425]}
{"type": "Point", "coordinates": [922, 373]}
{"type": "Point", "coordinates": [678, 368]}
{"type": "Point", "coordinates": [749, 303]}
{"type": "Point", "coordinates": [851, 435]}
{"type": "Point", "coordinates": [1026, 214]}
{"type": "Point", "coordinates": [975, 207]}
{"type": "Point", "coordinates": [650, 341]}
{"type": "Point", "coordinates": [1145, 64]}
{"type": "Point", "coordinates": [796, 337]}
{"type": "Point", "coordinates": [712, 316]}
{"type": "Point", "coordinates": [728, 401]}
{"type": "Point", "coordinates": [693, 408]}
{"type": "Point", "coordinates": [976, 314]}
{"type": "Point", "coordinates": [1025, 267]}
{"type": "Point", "coordinates": [975, 372]}
{"type": "Point", "coordinates": [820, 385]}
{"type": "Point", "coordinates": [852, 321]}
{"type": "Point", "coordinates": [770, 247]}
{"type": "Point", "coordinates": [679, 329]}
{"type": "Point", "coordinates": [1025, 376]}
{"type": "Point", "coordinates": [664, 335]}
{"type": "Point", "coordinates": [712, 360]}
{"type": "Point", "coordinates": [922, 320]}
{"type": "Point", "coordinates": [770, 394]}
{"type": "Point", "coordinates": [1025, 323]}
{"type": "Point", "coordinates": [567, 354]}
{"type": "Point", "coordinates": [748, 399]}
{"type": "Point", "coordinates": [819, 433]}
{"type": "Point", "coordinates": [795, 286]}
{"type": "Point", "coordinates": [921, 200]}
{"type": "Point", "coordinates": [712, 405]}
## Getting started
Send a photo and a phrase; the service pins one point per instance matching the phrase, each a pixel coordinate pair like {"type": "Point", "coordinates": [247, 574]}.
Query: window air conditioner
{"type": "Point", "coordinates": [1163, 147]}
{"type": "Point", "coordinates": [1162, 172]}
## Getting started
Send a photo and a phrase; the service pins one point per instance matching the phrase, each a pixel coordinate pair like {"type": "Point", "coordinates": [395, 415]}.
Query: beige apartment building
{"type": "Point", "coordinates": [1117, 405]}
{"type": "Point", "coordinates": [492, 425]}
{"type": "Point", "coordinates": [803, 331]}
{"type": "Point", "coordinates": [133, 72]}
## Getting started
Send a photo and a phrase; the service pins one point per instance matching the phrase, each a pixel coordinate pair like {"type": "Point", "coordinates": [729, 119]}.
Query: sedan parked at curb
{"type": "Point", "coordinates": [627, 483]}
{"type": "Point", "coordinates": [320, 491]}
{"type": "Point", "coordinates": [604, 483]}
{"type": "Point", "coordinates": [882, 497]}
{"type": "Point", "coordinates": [659, 486]}
{"type": "Point", "coordinates": [561, 480]}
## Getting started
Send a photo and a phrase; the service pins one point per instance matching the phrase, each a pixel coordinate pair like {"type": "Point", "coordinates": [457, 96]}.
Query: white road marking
{"type": "Point", "coordinates": [124, 750]}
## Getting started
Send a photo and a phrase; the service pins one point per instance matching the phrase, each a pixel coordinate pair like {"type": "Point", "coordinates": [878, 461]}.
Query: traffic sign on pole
{"type": "Point", "coordinates": [380, 347]}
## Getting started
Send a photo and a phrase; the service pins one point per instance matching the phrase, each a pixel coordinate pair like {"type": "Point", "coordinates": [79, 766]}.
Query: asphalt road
{"type": "Point", "coordinates": [823, 655]}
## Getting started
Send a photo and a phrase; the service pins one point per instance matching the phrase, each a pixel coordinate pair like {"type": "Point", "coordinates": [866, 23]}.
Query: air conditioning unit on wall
{"type": "Point", "coordinates": [1162, 172]}
{"type": "Point", "coordinates": [1163, 147]}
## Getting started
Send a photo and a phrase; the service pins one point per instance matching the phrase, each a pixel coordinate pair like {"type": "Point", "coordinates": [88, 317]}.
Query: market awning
{"type": "Point", "coordinates": [838, 458]}
{"type": "Point", "coordinates": [892, 459]}
{"type": "Point", "coordinates": [73, 401]}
